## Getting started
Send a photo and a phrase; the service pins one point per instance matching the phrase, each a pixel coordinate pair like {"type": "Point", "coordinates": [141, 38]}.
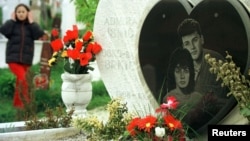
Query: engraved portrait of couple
{"type": "Point", "coordinates": [198, 92]}
{"type": "Point", "coordinates": [174, 40]}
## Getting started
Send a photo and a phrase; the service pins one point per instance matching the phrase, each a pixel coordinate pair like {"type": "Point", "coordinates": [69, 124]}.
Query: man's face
{"type": "Point", "coordinates": [194, 44]}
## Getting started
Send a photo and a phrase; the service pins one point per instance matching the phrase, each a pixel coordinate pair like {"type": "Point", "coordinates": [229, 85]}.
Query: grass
{"type": "Point", "coordinates": [98, 101]}
{"type": "Point", "coordinates": [43, 98]}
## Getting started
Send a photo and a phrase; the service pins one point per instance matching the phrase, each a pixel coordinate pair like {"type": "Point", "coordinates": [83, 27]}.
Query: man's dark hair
{"type": "Point", "coordinates": [188, 26]}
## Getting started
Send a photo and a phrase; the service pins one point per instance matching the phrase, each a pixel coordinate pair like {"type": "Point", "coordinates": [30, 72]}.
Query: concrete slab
{"type": "Point", "coordinates": [39, 135]}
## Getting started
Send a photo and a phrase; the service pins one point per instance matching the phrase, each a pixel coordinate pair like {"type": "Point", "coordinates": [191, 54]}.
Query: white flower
{"type": "Point", "coordinates": [159, 132]}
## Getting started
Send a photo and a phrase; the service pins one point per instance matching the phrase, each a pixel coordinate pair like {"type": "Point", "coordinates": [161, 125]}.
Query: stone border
{"type": "Point", "coordinates": [34, 135]}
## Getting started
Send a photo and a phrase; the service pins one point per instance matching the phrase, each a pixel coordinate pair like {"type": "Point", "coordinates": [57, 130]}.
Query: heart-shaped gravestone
{"type": "Point", "coordinates": [138, 37]}
{"type": "Point", "coordinates": [117, 28]}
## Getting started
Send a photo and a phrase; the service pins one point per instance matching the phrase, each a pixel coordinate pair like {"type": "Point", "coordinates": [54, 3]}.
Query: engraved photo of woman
{"type": "Point", "coordinates": [181, 78]}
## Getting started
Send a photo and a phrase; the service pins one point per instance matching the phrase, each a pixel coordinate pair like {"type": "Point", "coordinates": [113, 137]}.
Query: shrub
{"type": "Point", "coordinates": [7, 87]}
{"type": "Point", "coordinates": [7, 82]}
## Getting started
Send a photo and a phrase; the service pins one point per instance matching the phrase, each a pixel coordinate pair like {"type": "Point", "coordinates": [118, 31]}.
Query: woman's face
{"type": "Point", "coordinates": [182, 75]}
{"type": "Point", "coordinates": [21, 13]}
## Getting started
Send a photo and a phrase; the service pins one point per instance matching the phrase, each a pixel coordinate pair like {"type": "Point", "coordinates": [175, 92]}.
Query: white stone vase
{"type": "Point", "coordinates": [76, 92]}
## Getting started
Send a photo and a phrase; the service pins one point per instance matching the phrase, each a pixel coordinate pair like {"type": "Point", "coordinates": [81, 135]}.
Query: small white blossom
{"type": "Point", "coordinates": [159, 132]}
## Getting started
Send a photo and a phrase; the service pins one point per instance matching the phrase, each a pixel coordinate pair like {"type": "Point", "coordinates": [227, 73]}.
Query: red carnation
{"type": "Point", "coordinates": [84, 58]}
{"type": "Point", "coordinates": [94, 47]}
{"type": "Point", "coordinates": [57, 45]}
{"type": "Point", "coordinates": [87, 36]}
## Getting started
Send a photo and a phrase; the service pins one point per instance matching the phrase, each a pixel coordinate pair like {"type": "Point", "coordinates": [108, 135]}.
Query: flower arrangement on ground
{"type": "Point", "coordinates": [163, 126]}
{"type": "Point", "coordinates": [123, 125]}
{"type": "Point", "coordinates": [238, 84]}
{"type": "Point", "coordinates": [76, 52]}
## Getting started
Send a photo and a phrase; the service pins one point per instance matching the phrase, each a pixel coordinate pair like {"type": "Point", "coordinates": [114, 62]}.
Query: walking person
{"type": "Point", "coordinates": [21, 33]}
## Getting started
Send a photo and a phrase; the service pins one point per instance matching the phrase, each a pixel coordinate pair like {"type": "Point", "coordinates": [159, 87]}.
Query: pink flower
{"type": "Point", "coordinates": [172, 103]}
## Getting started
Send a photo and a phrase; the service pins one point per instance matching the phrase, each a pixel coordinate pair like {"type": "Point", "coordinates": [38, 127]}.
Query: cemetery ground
{"type": "Point", "coordinates": [44, 99]}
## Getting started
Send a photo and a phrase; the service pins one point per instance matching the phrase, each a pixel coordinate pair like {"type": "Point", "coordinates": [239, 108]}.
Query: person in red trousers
{"type": "Point", "coordinates": [21, 33]}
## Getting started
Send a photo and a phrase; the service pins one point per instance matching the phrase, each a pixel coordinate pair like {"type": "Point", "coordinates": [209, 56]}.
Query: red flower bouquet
{"type": "Point", "coordinates": [77, 52]}
{"type": "Point", "coordinates": [159, 127]}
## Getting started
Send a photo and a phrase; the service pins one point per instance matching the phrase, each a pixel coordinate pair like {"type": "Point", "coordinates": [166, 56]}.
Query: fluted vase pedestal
{"type": "Point", "coordinates": [76, 92]}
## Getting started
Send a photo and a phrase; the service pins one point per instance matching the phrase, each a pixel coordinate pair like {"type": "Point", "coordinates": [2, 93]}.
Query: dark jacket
{"type": "Point", "coordinates": [21, 36]}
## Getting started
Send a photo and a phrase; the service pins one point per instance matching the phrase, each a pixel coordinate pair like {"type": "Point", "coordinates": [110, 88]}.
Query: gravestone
{"type": "Point", "coordinates": [119, 27]}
